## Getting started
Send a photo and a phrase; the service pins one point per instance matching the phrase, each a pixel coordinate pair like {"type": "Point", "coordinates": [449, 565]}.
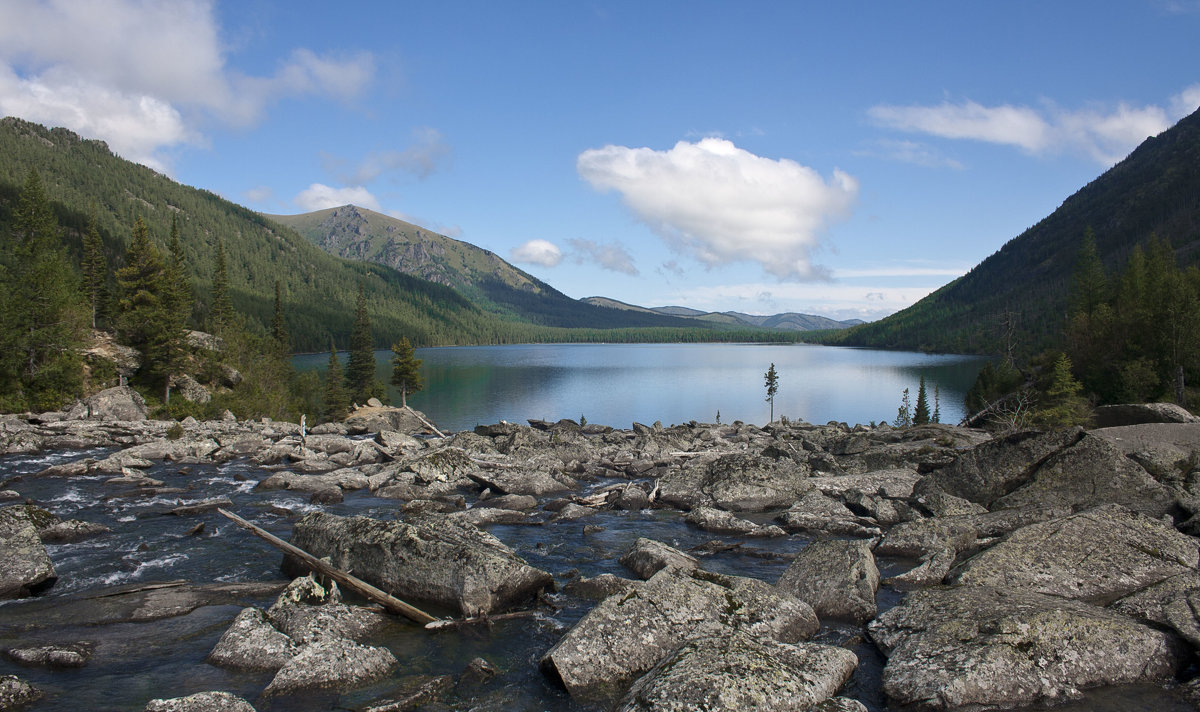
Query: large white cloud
{"type": "Point", "coordinates": [611, 256]}
{"type": "Point", "coordinates": [319, 196]}
{"type": "Point", "coordinates": [144, 75]}
{"type": "Point", "coordinates": [537, 252]}
{"type": "Point", "coordinates": [1106, 135]}
{"type": "Point", "coordinates": [721, 203]}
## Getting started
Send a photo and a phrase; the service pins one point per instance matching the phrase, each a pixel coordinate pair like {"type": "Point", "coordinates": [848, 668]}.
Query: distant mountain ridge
{"type": "Point", "coordinates": [788, 321]}
{"type": "Point", "coordinates": [1018, 295]}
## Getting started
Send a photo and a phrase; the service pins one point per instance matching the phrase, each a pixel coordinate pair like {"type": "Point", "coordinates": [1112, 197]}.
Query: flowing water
{"type": "Point", "coordinates": [135, 662]}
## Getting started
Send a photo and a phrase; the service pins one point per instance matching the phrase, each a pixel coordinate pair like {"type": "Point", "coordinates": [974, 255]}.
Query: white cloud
{"type": "Point", "coordinates": [428, 150]}
{"type": "Point", "coordinates": [910, 152]}
{"type": "Point", "coordinates": [144, 75]}
{"type": "Point", "coordinates": [1105, 135]}
{"type": "Point", "coordinates": [537, 252]}
{"type": "Point", "coordinates": [319, 197]}
{"type": "Point", "coordinates": [611, 256]}
{"type": "Point", "coordinates": [834, 300]}
{"type": "Point", "coordinates": [259, 194]}
{"type": "Point", "coordinates": [724, 204]}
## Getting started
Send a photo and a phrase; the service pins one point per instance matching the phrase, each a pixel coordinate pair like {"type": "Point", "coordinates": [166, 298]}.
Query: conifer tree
{"type": "Point", "coordinates": [921, 413]}
{"type": "Point", "coordinates": [406, 370]}
{"type": "Point", "coordinates": [222, 305]}
{"type": "Point", "coordinates": [278, 326]}
{"type": "Point", "coordinates": [771, 381]}
{"type": "Point", "coordinates": [937, 405]}
{"type": "Point", "coordinates": [904, 413]}
{"type": "Point", "coordinates": [45, 311]}
{"type": "Point", "coordinates": [336, 405]}
{"type": "Point", "coordinates": [144, 320]}
{"type": "Point", "coordinates": [360, 372]}
{"type": "Point", "coordinates": [95, 269]}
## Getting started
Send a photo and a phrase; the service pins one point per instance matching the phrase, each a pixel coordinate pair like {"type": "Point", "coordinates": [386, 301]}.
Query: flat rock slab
{"type": "Point", "coordinates": [201, 702]}
{"type": "Point", "coordinates": [429, 558]}
{"type": "Point", "coordinates": [838, 578]}
{"type": "Point", "coordinates": [1098, 556]}
{"type": "Point", "coordinates": [735, 483]}
{"type": "Point", "coordinates": [647, 557]}
{"type": "Point", "coordinates": [628, 633]}
{"type": "Point", "coordinates": [997, 467]}
{"type": "Point", "coordinates": [924, 537]}
{"type": "Point", "coordinates": [721, 522]}
{"type": "Point", "coordinates": [718, 670]}
{"type": "Point", "coordinates": [962, 646]}
{"type": "Point", "coordinates": [25, 567]}
{"type": "Point", "coordinates": [893, 483]}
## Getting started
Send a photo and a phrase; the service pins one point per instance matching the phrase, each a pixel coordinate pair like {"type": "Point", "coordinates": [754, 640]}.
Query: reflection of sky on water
{"type": "Point", "coordinates": [616, 384]}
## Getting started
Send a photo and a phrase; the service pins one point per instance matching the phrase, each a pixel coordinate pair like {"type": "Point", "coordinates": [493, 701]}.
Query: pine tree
{"type": "Point", "coordinates": [360, 372]}
{"type": "Point", "coordinates": [1062, 406]}
{"type": "Point", "coordinates": [1089, 285]}
{"type": "Point", "coordinates": [771, 381]}
{"type": "Point", "coordinates": [904, 416]}
{"type": "Point", "coordinates": [143, 319]}
{"type": "Point", "coordinates": [406, 370]}
{"type": "Point", "coordinates": [45, 311]}
{"type": "Point", "coordinates": [278, 327]}
{"type": "Point", "coordinates": [921, 414]}
{"type": "Point", "coordinates": [336, 405]}
{"type": "Point", "coordinates": [222, 305]}
{"type": "Point", "coordinates": [95, 269]}
{"type": "Point", "coordinates": [937, 405]}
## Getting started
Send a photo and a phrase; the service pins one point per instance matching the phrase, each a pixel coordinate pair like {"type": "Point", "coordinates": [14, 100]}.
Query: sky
{"type": "Point", "coordinates": [840, 159]}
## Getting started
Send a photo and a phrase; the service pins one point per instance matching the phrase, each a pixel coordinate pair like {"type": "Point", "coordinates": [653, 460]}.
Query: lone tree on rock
{"type": "Point", "coordinates": [772, 383]}
{"type": "Point", "coordinates": [921, 414]}
{"type": "Point", "coordinates": [406, 370]}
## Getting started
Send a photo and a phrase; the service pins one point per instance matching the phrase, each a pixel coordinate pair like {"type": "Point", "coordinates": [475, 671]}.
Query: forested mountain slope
{"type": "Point", "coordinates": [1020, 292]}
{"type": "Point", "coordinates": [787, 321]}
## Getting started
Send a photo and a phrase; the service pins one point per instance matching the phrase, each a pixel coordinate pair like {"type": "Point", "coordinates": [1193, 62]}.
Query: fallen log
{"type": "Point", "coordinates": [362, 588]}
{"type": "Point", "coordinates": [488, 620]}
{"type": "Point", "coordinates": [428, 424]}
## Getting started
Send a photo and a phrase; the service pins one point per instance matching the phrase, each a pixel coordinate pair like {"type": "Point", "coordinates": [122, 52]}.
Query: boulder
{"type": "Point", "coordinates": [190, 389]}
{"type": "Point", "coordinates": [1169, 602]}
{"type": "Point", "coordinates": [923, 537]}
{"type": "Point", "coordinates": [519, 480]}
{"type": "Point", "coordinates": [201, 702]}
{"type": "Point", "coordinates": [119, 403]}
{"type": "Point", "coordinates": [331, 664]}
{"type": "Point", "coordinates": [647, 557]}
{"type": "Point", "coordinates": [838, 578]}
{"type": "Point", "coordinates": [15, 692]}
{"type": "Point", "coordinates": [252, 643]}
{"type": "Point", "coordinates": [730, 671]}
{"type": "Point", "coordinates": [627, 634]}
{"type": "Point", "coordinates": [819, 512]}
{"type": "Point", "coordinates": [1096, 556]}
{"type": "Point", "coordinates": [736, 483]}
{"type": "Point", "coordinates": [53, 656]}
{"type": "Point", "coordinates": [1108, 416]}
{"type": "Point", "coordinates": [25, 567]}
{"type": "Point", "coordinates": [721, 522]}
{"type": "Point", "coordinates": [374, 420]}
{"type": "Point", "coordinates": [431, 557]}
{"type": "Point", "coordinates": [978, 646]}
{"type": "Point", "coordinates": [892, 483]}
{"type": "Point", "coordinates": [1091, 472]}
{"type": "Point", "coordinates": [996, 467]}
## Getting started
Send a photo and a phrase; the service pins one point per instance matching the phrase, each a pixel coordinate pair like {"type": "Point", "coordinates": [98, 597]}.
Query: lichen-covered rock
{"type": "Point", "coordinates": [893, 483]}
{"type": "Point", "coordinates": [718, 670]}
{"type": "Point", "coordinates": [924, 537]}
{"type": "Point", "coordinates": [838, 578]}
{"type": "Point", "coordinates": [25, 567]}
{"type": "Point", "coordinates": [1091, 472]}
{"type": "Point", "coordinates": [965, 646]}
{"type": "Point", "coordinates": [994, 468]}
{"type": "Point", "coordinates": [1098, 556]}
{"type": "Point", "coordinates": [629, 633]}
{"type": "Point", "coordinates": [431, 558]}
{"type": "Point", "coordinates": [819, 512]}
{"type": "Point", "coordinates": [331, 664]}
{"type": "Point", "coordinates": [201, 702]}
{"type": "Point", "coordinates": [252, 643]}
{"type": "Point", "coordinates": [735, 483]}
{"type": "Point", "coordinates": [1108, 416]}
{"type": "Point", "coordinates": [73, 655]}
{"type": "Point", "coordinates": [119, 403]}
{"type": "Point", "coordinates": [721, 522]}
{"type": "Point", "coordinates": [15, 692]}
{"type": "Point", "coordinates": [647, 557]}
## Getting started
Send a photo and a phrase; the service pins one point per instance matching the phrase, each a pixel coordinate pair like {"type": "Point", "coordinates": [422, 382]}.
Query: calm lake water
{"type": "Point", "coordinates": [618, 384]}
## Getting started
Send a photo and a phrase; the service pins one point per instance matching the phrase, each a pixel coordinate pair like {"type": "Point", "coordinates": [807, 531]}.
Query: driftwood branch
{"type": "Point", "coordinates": [362, 588]}
{"type": "Point", "coordinates": [428, 424]}
{"type": "Point", "coordinates": [488, 620]}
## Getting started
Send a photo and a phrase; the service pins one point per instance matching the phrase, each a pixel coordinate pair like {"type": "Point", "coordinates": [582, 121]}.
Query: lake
{"type": "Point", "coordinates": [618, 384]}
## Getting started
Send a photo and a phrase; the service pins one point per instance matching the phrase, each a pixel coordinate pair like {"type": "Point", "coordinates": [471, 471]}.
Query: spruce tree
{"type": "Point", "coordinates": [771, 381]}
{"type": "Point", "coordinates": [360, 372]}
{"type": "Point", "coordinates": [278, 326]}
{"type": "Point", "coordinates": [921, 413]}
{"type": "Point", "coordinates": [336, 405]}
{"type": "Point", "coordinates": [46, 313]}
{"type": "Point", "coordinates": [143, 316]}
{"type": "Point", "coordinates": [904, 412]}
{"type": "Point", "coordinates": [95, 269]}
{"type": "Point", "coordinates": [406, 370]}
{"type": "Point", "coordinates": [222, 305]}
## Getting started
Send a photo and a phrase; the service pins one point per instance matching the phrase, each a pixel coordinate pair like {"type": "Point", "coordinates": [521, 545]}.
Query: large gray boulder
{"type": "Point", "coordinates": [968, 646]}
{"type": "Point", "coordinates": [721, 671]}
{"type": "Point", "coordinates": [1090, 472]}
{"type": "Point", "coordinates": [719, 521]}
{"type": "Point", "coordinates": [838, 578]}
{"type": "Point", "coordinates": [922, 537]}
{"type": "Point", "coordinates": [331, 664]}
{"type": "Point", "coordinates": [252, 643]}
{"type": "Point", "coordinates": [25, 567]}
{"type": "Point", "coordinates": [819, 512]}
{"type": "Point", "coordinates": [15, 692]}
{"type": "Point", "coordinates": [430, 558]}
{"type": "Point", "coordinates": [646, 557]}
{"type": "Point", "coordinates": [1108, 416]}
{"type": "Point", "coordinates": [997, 467]}
{"type": "Point", "coordinates": [201, 702]}
{"type": "Point", "coordinates": [736, 483]}
{"type": "Point", "coordinates": [119, 403]}
{"type": "Point", "coordinates": [1097, 556]}
{"type": "Point", "coordinates": [628, 633]}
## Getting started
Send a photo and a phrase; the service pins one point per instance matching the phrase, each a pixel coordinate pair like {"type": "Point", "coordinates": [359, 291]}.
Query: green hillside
{"type": "Point", "coordinates": [483, 277]}
{"type": "Point", "coordinates": [1021, 290]}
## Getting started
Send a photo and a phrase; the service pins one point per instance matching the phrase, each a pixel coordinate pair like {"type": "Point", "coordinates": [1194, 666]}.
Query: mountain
{"type": "Point", "coordinates": [789, 321]}
{"type": "Point", "coordinates": [1019, 294]}
{"type": "Point", "coordinates": [480, 275]}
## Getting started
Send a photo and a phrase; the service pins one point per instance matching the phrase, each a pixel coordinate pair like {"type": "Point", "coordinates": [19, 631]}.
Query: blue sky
{"type": "Point", "coordinates": [842, 159]}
